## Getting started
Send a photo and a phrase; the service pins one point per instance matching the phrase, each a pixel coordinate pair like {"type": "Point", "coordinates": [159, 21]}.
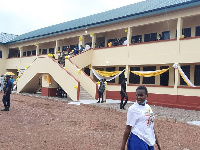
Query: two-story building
{"type": "Point", "coordinates": [143, 37]}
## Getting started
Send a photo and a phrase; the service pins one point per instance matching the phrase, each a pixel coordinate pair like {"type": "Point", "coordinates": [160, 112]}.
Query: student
{"type": "Point", "coordinates": [7, 91]}
{"type": "Point", "coordinates": [101, 90]}
{"type": "Point", "coordinates": [139, 129]}
{"type": "Point", "coordinates": [123, 94]}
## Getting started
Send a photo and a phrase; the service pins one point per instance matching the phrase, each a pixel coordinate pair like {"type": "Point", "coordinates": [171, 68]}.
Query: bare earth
{"type": "Point", "coordinates": [43, 124]}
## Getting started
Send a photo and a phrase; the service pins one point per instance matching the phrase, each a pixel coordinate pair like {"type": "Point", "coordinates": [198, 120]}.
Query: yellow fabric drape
{"type": "Point", "coordinates": [48, 79]}
{"type": "Point", "coordinates": [150, 74]}
{"type": "Point", "coordinates": [107, 73]}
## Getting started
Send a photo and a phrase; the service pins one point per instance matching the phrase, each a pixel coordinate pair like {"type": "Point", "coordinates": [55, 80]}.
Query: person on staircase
{"type": "Point", "coordinates": [101, 90]}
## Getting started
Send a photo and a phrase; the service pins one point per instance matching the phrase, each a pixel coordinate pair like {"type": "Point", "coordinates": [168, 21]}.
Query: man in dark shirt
{"type": "Point", "coordinates": [123, 94]}
{"type": "Point", "coordinates": [7, 91]}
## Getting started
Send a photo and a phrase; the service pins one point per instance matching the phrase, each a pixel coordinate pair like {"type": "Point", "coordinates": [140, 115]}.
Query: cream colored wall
{"type": "Point", "coordinates": [113, 56]}
{"type": "Point", "coordinates": [44, 66]}
{"type": "Point", "coordinates": [53, 83]}
{"type": "Point", "coordinates": [189, 51]}
{"type": "Point", "coordinates": [84, 59]}
{"type": "Point", "coordinates": [4, 50]}
{"type": "Point", "coordinates": [19, 63]}
{"type": "Point", "coordinates": [85, 81]}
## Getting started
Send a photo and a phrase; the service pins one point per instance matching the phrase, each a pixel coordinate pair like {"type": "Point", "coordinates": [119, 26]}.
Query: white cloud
{"type": "Point", "coordinates": [21, 16]}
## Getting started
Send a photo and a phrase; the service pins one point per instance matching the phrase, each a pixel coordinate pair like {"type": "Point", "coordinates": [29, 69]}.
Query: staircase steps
{"type": "Point", "coordinates": [84, 95]}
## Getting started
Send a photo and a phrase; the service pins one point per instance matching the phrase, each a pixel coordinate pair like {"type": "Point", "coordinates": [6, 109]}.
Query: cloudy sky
{"type": "Point", "coordinates": [22, 16]}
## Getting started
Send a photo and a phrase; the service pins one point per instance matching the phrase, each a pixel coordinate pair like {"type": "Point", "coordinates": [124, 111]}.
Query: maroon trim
{"type": "Point", "coordinates": [153, 42]}
{"type": "Point", "coordinates": [109, 47]}
{"type": "Point", "coordinates": [12, 57]}
{"type": "Point", "coordinates": [165, 100]}
{"type": "Point", "coordinates": [78, 91]}
{"type": "Point", "coordinates": [189, 38]}
{"type": "Point", "coordinates": [62, 68]}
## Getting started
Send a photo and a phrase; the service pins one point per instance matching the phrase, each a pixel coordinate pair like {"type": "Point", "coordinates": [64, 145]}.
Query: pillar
{"type": "Point", "coordinates": [177, 81]}
{"type": "Point", "coordinates": [82, 42]}
{"type": "Point", "coordinates": [20, 52]}
{"type": "Point", "coordinates": [141, 78]}
{"type": "Point", "coordinates": [93, 40]}
{"type": "Point", "coordinates": [157, 78]}
{"type": "Point", "coordinates": [179, 28]}
{"type": "Point", "coordinates": [127, 73]}
{"type": "Point", "coordinates": [129, 35]}
{"type": "Point", "coordinates": [192, 70]}
{"type": "Point", "coordinates": [56, 47]}
{"type": "Point", "coordinates": [37, 49]}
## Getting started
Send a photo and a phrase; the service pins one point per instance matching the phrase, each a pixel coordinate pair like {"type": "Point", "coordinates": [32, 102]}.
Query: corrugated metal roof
{"type": "Point", "coordinates": [140, 9]}
{"type": "Point", "coordinates": [5, 37]}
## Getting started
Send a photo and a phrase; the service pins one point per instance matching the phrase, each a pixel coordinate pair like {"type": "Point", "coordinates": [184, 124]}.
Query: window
{"type": "Point", "coordinates": [186, 32]}
{"type": "Point", "coordinates": [150, 37]}
{"type": "Point", "coordinates": [87, 71]}
{"type": "Point", "coordinates": [165, 35]}
{"type": "Point", "coordinates": [51, 50]}
{"type": "Point", "coordinates": [197, 75]}
{"type": "Point", "coordinates": [40, 51]}
{"type": "Point", "coordinates": [28, 53]}
{"type": "Point", "coordinates": [149, 80]}
{"type": "Point", "coordinates": [0, 54]}
{"type": "Point", "coordinates": [24, 53]}
{"type": "Point", "coordinates": [133, 78]}
{"type": "Point", "coordinates": [136, 39]}
{"type": "Point", "coordinates": [186, 70]}
{"type": "Point", "coordinates": [111, 69]}
{"type": "Point", "coordinates": [64, 48]}
{"type": "Point", "coordinates": [164, 78]}
{"type": "Point", "coordinates": [34, 52]}
{"type": "Point", "coordinates": [121, 76]}
{"type": "Point", "coordinates": [44, 51]}
{"type": "Point", "coordinates": [197, 32]}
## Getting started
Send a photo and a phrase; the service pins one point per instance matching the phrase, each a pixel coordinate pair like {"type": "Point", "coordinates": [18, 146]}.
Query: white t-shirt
{"type": "Point", "coordinates": [140, 118]}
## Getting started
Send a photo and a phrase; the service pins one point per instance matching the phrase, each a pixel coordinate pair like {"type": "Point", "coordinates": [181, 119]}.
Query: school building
{"type": "Point", "coordinates": [147, 36]}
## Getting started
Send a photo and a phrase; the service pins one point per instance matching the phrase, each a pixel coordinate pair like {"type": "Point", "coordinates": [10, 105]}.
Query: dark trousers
{"type": "Point", "coordinates": [6, 100]}
{"type": "Point", "coordinates": [100, 95]}
{"type": "Point", "coordinates": [122, 104]}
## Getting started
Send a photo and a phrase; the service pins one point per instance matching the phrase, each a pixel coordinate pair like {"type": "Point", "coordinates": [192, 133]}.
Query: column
{"type": "Point", "coordinates": [20, 52]}
{"type": "Point", "coordinates": [141, 78]}
{"type": "Point", "coordinates": [37, 49]}
{"type": "Point", "coordinates": [117, 78]}
{"type": "Point", "coordinates": [177, 81]}
{"type": "Point", "coordinates": [192, 70]}
{"type": "Point", "coordinates": [127, 73]}
{"type": "Point", "coordinates": [56, 47]}
{"type": "Point", "coordinates": [179, 28]}
{"type": "Point", "coordinates": [82, 41]}
{"type": "Point", "coordinates": [129, 35]}
{"type": "Point", "coordinates": [171, 76]}
{"type": "Point", "coordinates": [106, 41]}
{"type": "Point", "coordinates": [93, 40]}
{"type": "Point", "coordinates": [157, 78]}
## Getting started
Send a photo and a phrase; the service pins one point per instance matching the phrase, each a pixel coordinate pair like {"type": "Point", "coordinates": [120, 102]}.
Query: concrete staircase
{"type": "Point", "coordinates": [84, 95]}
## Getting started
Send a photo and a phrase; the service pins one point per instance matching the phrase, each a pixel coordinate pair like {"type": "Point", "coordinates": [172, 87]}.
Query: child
{"type": "Point", "coordinates": [140, 126]}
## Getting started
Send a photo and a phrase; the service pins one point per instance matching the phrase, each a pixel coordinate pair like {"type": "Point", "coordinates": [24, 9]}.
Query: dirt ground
{"type": "Point", "coordinates": [35, 123]}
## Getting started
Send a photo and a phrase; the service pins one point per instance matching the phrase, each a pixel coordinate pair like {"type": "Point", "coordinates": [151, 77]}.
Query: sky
{"type": "Point", "coordinates": [22, 16]}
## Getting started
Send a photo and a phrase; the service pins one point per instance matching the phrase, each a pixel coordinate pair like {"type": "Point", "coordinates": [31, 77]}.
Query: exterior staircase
{"type": "Point", "coordinates": [84, 95]}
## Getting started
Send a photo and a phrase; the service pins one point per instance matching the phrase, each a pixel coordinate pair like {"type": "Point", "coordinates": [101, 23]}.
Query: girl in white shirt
{"type": "Point", "coordinates": [139, 129]}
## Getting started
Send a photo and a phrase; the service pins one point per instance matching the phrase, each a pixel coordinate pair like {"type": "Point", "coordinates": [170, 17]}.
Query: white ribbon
{"type": "Point", "coordinates": [107, 78]}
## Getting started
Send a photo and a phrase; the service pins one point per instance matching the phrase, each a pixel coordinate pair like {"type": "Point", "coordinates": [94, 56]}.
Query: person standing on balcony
{"type": "Point", "coordinates": [101, 90]}
{"type": "Point", "coordinates": [123, 94]}
{"type": "Point", "coordinates": [7, 91]}
{"type": "Point", "coordinates": [139, 129]}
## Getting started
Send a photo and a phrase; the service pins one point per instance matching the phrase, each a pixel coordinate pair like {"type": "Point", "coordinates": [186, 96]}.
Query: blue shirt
{"type": "Point", "coordinates": [8, 85]}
